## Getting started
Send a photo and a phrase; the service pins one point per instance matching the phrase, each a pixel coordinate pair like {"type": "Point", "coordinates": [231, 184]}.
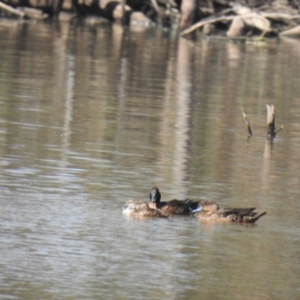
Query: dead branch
{"type": "Point", "coordinates": [11, 10]}
{"type": "Point", "coordinates": [33, 13]}
{"type": "Point", "coordinates": [245, 16]}
{"type": "Point", "coordinates": [279, 16]}
{"type": "Point", "coordinates": [156, 8]}
{"type": "Point", "coordinates": [294, 31]}
{"type": "Point", "coordinates": [205, 22]}
{"type": "Point", "coordinates": [271, 120]}
{"type": "Point", "coordinates": [272, 131]}
{"type": "Point", "coordinates": [247, 123]}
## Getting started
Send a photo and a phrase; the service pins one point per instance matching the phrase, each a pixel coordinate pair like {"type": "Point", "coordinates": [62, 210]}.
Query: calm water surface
{"type": "Point", "coordinates": [92, 116]}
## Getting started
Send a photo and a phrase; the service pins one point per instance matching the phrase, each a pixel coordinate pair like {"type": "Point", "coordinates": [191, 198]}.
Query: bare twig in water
{"type": "Point", "coordinates": [281, 127]}
{"type": "Point", "coordinates": [247, 123]}
{"type": "Point", "coordinates": [271, 121]}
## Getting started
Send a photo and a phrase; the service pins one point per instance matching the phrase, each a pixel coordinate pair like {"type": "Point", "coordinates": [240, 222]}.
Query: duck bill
{"type": "Point", "coordinates": [153, 195]}
{"type": "Point", "coordinates": [197, 209]}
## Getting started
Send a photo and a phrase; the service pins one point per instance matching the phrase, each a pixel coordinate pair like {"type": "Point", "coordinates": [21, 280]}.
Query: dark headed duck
{"type": "Point", "coordinates": [173, 207]}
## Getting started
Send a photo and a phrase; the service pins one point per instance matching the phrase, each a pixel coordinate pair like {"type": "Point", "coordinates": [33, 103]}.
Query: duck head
{"type": "Point", "coordinates": [154, 195]}
{"type": "Point", "coordinates": [209, 207]}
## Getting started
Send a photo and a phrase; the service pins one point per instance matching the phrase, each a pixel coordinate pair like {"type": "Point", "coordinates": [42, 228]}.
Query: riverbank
{"type": "Point", "coordinates": [211, 17]}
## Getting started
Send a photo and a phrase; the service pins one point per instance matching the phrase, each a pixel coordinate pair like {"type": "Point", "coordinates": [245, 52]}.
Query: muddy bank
{"type": "Point", "coordinates": [207, 17]}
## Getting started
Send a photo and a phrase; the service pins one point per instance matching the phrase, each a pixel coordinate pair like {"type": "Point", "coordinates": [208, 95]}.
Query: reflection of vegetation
{"type": "Point", "coordinates": [134, 108]}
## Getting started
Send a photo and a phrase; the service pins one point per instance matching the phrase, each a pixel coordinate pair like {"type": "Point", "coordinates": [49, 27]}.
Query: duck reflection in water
{"type": "Point", "coordinates": [173, 207]}
{"type": "Point", "coordinates": [210, 211]}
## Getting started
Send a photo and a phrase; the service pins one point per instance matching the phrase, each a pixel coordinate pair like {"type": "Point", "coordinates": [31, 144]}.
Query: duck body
{"type": "Point", "coordinates": [173, 207]}
{"type": "Point", "coordinates": [210, 211]}
{"type": "Point", "coordinates": [141, 209]}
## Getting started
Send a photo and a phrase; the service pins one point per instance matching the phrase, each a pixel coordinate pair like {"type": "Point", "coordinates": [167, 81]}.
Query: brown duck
{"type": "Point", "coordinates": [210, 211]}
{"type": "Point", "coordinates": [141, 209]}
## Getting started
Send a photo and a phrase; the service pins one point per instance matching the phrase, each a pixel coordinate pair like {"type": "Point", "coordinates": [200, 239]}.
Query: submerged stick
{"type": "Point", "coordinates": [247, 123]}
{"type": "Point", "coordinates": [281, 127]}
{"type": "Point", "coordinates": [271, 121]}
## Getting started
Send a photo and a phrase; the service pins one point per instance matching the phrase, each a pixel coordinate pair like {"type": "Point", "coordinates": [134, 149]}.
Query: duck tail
{"type": "Point", "coordinates": [255, 217]}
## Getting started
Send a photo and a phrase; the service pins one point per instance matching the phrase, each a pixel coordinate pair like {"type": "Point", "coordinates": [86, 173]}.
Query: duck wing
{"type": "Point", "coordinates": [243, 215]}
{"type": "Point", "coordinates": [153, 213]}
{"type": "Point", "coordinates": [178, 206]}
{"type": "Point", "coordinates": [241, 212]}
{"type": "Point", "coordinates": [253, 217]}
